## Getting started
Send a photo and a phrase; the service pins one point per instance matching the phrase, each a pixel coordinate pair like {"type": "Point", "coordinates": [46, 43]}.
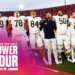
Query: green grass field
{"type": "Point", "coordinates": [65, 67]}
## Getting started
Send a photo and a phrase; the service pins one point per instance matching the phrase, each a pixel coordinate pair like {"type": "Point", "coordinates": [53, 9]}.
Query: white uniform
{"type": "Point", "coordinates": [3, 32]}
{"type": "Point", "coordinates": [18, 31]}
{"type": "Point", "coordinates": [34, 31]}
{"type": "Point", "coordinates": [54, 17]}
{"type": "Point", "coordinates": [42, 34]}
{"type": "Point", "coordinates": [62, 33]}
{"type": "Point", "coordinates": [69, 32]}
{"type": "Point", "coordinates": [25, 29]}
{"type": "Point", "coordinates": [72, 31]}
{"type": "Point", "coordinates": [10, 18]}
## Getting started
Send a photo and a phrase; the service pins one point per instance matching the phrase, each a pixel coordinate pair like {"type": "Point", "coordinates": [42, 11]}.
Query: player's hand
{"type": "Point", "coordinates": [54, 20]}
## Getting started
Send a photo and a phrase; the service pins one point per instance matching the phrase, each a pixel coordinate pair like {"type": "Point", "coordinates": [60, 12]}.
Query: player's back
{"type": "Point", "coordinates": [61, 23]}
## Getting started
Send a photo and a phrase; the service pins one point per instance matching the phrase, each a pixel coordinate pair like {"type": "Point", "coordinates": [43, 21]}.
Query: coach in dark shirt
{"type": "Point", "coordinates": [50, 40]}
{"type": "Point", "coordinates": [49, 27]}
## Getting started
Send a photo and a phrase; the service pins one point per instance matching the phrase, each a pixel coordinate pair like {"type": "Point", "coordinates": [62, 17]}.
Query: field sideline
{"type": "Point", "coordinates": [65, 67]}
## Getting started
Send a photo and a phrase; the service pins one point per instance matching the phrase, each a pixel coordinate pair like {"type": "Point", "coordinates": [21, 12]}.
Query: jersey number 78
{"type": "Point", "coordinates": [19, 22]}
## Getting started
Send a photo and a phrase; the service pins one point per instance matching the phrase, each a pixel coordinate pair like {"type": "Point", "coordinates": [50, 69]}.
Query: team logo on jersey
{"type": "Point", "coordinates": [74, 54]}
{"type": "Point", "coordinates": [46, 23]}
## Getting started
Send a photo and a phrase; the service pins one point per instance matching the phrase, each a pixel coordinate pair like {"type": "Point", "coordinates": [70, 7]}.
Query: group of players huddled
{"type": "Point", "coordinates": [32, 32]}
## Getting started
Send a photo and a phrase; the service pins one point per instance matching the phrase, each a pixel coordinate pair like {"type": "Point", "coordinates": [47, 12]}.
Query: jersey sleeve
{"type": "Point", "coordinates": [54, 17]}
{"type": "Point", "coordinates": [70, 20]}
{"type": "Point", "coordinates": [27, 18]}
{"type": "Point", "coordinates": [24, 17]}
{"type": "Point", "coordinates": [66, 16]}
{"type": "Point", "coordinates": [39, 19]}
{"type": "Point", "coordinates": [6, 18]}
{"type": "Point", "coordinates": [57, 18]}
{"type": "Point", "coordinates": [9, 19]}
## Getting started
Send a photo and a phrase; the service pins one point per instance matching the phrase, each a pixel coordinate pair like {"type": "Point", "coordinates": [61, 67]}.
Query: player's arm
{"type": "Point", "coordinates": [68, 23]}
{"type": "Point", "coordinates": [40, 23]}
{"type": "Point", "coordinates": [8, 31]}
{"type": "Point", "coordinates": [43, 20]}
{"type": "Point", "coordinates": [26, 24]}
{"type": "Point", "coordinates": [9, 26]}
{"type": "Point", "coordinates": [54, 31]}
{"type": "Point", "coordinates": [41, 27]}
{"type": "Point", "coordinates": [6, 23]}
{"type": "Point", "coordinates": [54, 20]}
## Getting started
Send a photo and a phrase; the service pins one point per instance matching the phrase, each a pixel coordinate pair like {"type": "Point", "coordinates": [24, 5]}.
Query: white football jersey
{"type": "Point", "coordinates": [18, 23]}
{"type": "Point", "coordinates": [34, 24]}
{"type": "Point", "coordinates": [3, 25]}
{"type": "Point", "coordinates": [10, 18]}
{"type": "Point", "coordinates": [61, 23]}
{"type": "Point", "coordinates": [72, 27]}
{"type": "Point", "coordinates": [54, 16]}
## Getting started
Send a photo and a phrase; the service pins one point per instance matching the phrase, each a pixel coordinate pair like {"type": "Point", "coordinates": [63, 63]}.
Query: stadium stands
{"type": "Point", "coordinates": [42, 12]}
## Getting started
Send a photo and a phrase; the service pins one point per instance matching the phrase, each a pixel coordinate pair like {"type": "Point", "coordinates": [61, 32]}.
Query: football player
{"type": "Point", "coordinates": [42, 33]}
{"type": "Point", "coordinates": [62, 36]}
{"type": "Point", "coordinates": [17, 23]}
{"type": "Point", "coordinates": [9, 31]}
{"type": "Point", "coordinates": [72, 32]}
{"type": "Point", "coordinates": [3, 31]}
{"type": "Point", "coordinates": [69, 33]}
{"type": "Point", "coordinates": [32, 24]}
